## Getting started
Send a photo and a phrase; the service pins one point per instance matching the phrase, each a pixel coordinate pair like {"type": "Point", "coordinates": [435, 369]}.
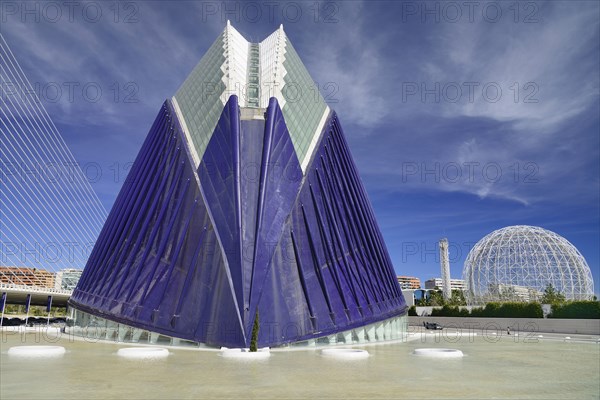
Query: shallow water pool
{"type": "Point", "coordinates": [512, 367]}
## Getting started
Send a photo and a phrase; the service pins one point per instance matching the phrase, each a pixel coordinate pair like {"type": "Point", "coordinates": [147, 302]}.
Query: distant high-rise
{"type": "Point", "coordinates": [244, 202]}
{"type": "Point", "coordinates": [409, 282]}
{"type": "Point", "coordinates": [438, 284]}
{"type": "Point", "coordinates": [445, 267]}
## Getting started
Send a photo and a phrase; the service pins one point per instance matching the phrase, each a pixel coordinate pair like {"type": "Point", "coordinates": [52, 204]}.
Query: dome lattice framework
{"type": "Point", "coordinates": [517, 263]}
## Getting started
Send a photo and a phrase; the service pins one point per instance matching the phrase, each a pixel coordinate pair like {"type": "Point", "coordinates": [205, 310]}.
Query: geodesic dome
{"type": "Point", "coordinates": [517, 263]}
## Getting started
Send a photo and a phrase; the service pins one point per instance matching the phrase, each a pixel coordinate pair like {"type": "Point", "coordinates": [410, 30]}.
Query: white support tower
{"type": "Point", "coordinates": [445, 266]}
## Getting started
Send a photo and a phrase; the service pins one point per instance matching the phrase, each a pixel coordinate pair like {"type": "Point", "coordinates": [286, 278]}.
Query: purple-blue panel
{"type": "Point", "coordinates": [250, 156]}
{"type": "Point", "coordinates": [280, 178]}
{"type": "Point", "coordinates": [306, 252]}
{"type": "Point", "coordinates": [157, 264]}
{"type": "Point", "coordinates": [330, 271]}
{"type": "Point", "coordinates": [219, 177]}
{"type": "Point", "coordinates": [255, 160]}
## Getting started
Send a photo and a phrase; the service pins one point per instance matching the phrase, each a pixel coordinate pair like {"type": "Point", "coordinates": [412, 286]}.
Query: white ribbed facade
{"type": "Point", "coordinates": [235, 67]}
{"type": "Point", "coordinates": [272, 55]}
{"type": "Point", "coordinates": [254, 72]}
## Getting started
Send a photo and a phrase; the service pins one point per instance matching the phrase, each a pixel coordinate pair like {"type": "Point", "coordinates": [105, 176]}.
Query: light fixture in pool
{"type": "Point", "coordinates": [37, 351]}
{"type": "Point", "coordinates": [345, 354]}
{"type": "Point", "coordinates": [143, 353]}
{"type": "Point", "coordinates": [438, 353]}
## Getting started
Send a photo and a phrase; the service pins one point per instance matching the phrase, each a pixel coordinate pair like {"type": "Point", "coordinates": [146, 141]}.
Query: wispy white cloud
{"type": "Point", "coordinates": [548, 75]}
{"type": "Point", "coordinates": [348, 57]}
{"type": "Point", "coordinates": [369, 64]}
{"type": "Point", "coordinates": [545, 70]}
{"type": "Point", "coordinates": [151, 55]}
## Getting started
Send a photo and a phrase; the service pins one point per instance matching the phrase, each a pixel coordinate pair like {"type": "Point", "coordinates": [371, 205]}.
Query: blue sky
{"type": "Point", "coordinates": [462, 118]}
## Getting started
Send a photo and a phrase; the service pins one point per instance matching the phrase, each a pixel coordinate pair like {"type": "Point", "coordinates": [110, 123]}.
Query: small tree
{"type": "Point", "coordinates": [422, 302]}
{"type": "Point", "coordinates": [436, 299]}
{"type": "Point", "coordinates": [552, 296]}
{"type": "Point", "coordinates": [254, 338]}
{"type": "Point", "coordinates": [457, 298]}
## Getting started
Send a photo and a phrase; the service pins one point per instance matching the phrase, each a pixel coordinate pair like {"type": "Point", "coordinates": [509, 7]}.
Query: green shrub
{"type": "Point", "coordinates": [477, 312]}
{"type": "Point", "coordinates": [493, 310]}
{"type": "Point", "coordinates": [513, 310]}
{"type": "Point", "coordinates": [449, 311]}
{"type": "Point", "coordinates": [412, 311]}
{"type": "Point", "coordinates": [576, 309]}
{"type": "Point", "coordinates": [438, 312]}
{"type": "Point", "coordinates": [509, 310]}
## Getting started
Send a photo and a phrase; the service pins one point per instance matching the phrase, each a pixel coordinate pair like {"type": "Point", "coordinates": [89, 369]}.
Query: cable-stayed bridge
{"type": "Point", "coordinates": [50, 216]}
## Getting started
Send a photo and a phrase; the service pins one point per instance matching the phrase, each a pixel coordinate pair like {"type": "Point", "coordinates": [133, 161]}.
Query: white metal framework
{"type": "Point", "coordinates": [50, 215]}
{"type": "Point", "coordinates": [519, 262]}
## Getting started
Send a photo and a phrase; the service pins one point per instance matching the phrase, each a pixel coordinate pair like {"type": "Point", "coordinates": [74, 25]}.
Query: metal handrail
{"type": "Point", "coordinates": [35, 288]}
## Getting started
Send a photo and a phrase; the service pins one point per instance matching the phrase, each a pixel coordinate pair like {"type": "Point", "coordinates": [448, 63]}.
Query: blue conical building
{"type": "Point", "coordinates": [243, 202]}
